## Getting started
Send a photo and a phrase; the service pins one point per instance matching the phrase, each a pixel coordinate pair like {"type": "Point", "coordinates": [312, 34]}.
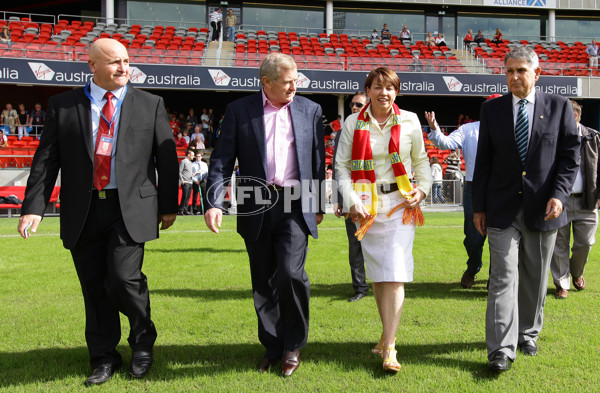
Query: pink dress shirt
{"type": "Point", "coordinates": [282, 163]}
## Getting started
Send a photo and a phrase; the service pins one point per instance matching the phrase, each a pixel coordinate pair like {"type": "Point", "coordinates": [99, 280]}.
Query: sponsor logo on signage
{"type": "Point", "coordinates": [452, 83]}
{"type": "Point", "coordinates": [303, 81]}
{"type": "Point", "coordinates": [219, 77]}
{"type": "Point", "coordinates": [522, 3]}
{"type": "Point", "coordinates": [136, 75]}
{"type": "Point", "coordinates": [41, 71]}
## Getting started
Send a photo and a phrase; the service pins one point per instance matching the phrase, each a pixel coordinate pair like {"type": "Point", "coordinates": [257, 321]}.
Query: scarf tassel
{"type": "Point", "coordinates": [364, 227]}
{"type": "Point", "coordinates": [414, 216]}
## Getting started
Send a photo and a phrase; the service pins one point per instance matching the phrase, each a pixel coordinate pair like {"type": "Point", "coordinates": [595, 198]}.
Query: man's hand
{"type": "Point", "coordinates": [213, 218]}
{"type": "Point", "coordinates": [27, 221]}
{"type": "Point", "coordinates": [166, 220]}
{"type": "Point", "coordinates": [553, 209]}
{"type": "Point", "coordinates": [479, 221]}
{"type": "Point", "coordinates": [416, 196]}
{"type": "Point", "coordinates": [319, 218]}
{"type": "Point", "coordinates": [337, 210]}
{"type": "Point", "coordinates": [430, 116]}
{"type": "Point", "coordinates": [358, 211]}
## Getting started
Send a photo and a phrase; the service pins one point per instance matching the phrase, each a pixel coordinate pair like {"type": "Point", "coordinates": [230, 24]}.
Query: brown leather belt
{"type": "Point", "coordinates": [387, 188]}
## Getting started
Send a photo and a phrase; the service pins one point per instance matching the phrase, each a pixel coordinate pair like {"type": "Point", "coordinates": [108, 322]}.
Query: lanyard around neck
{"type": "Point", "coordinates": [87, 91]}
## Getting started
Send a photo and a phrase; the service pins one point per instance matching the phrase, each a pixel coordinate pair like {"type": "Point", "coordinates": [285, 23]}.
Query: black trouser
{"type": "Point", "coordinates": [198, 189]}
{"type": "Point", "coordinates": [109, 267]}
{"type": "Point", "coordinates": [186, 191]}
{"type": "Point", "coordinates": [279, 282]}
{"type": "Point", "coordinates": [216, 26]}
{"type": "Point", "coordinates": [356, 259]}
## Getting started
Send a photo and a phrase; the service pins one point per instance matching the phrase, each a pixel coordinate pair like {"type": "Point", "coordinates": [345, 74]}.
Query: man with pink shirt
{"type": "Point", "coordinates": [277, 139]}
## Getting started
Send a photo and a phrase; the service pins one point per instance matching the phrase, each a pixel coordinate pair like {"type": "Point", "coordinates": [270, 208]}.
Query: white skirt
{"type": "Point", "coordinates": [387, 245]}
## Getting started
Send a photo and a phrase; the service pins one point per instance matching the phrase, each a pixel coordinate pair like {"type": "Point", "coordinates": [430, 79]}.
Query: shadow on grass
{"type": "Point", "coordinates": [341, 292]}
{"type": "Point", "coordinates": [198, 249]}
{"type": "Point", "coordinates": [173, 362]}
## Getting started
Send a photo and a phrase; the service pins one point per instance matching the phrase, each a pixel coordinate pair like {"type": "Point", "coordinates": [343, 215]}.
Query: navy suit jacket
{"type": "Point", "coordinates": [502, 184]}
{"type": "Point", "coordinates": [243, 138]}
{"type": "Point", "coordinates": [144, 148]}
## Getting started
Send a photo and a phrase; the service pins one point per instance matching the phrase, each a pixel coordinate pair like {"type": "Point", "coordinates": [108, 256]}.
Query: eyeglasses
{"type": "Point", "coordinates": [357, 104]}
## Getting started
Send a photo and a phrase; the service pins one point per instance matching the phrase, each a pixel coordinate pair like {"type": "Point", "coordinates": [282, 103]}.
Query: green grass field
{"type": "Point", "coordinates": [202, 307]}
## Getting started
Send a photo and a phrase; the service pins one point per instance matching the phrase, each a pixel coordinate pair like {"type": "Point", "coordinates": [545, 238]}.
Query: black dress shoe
{"type": "Point", "coordinates": [141, 361]}
{"type": "Point", "coordinates": [528, 348]}
{"type": "Point", "coordinates": [265, 364]}
{"type": "Point", "coordinates": [101, 374]}
{"type": "Point", "coordinates": [290, 362]}
{"type": "Point", "coordinates": [500, 362]}
{"type": "Point", "coordinates": [357, 296]}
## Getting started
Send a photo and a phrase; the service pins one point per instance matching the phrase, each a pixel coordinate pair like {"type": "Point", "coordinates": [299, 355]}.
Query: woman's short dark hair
{"type": "Point", "coordinates": [383, 74]}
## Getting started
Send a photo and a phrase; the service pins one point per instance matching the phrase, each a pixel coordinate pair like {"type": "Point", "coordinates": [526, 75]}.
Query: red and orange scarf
{"type": "Point", "coordinates": [363, 171]}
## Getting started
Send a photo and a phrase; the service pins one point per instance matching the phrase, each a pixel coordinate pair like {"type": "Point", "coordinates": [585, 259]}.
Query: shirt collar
{"type": "Point", "coordinates": [98, 92]}
{"type": "Point", "coordinates": [266, 101]}
{"type": "Point", "coordinates": [530, 98]}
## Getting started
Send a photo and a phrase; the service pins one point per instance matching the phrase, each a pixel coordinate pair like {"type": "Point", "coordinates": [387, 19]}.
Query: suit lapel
{"type": "Point", "coordinates": [85, 121]}
{"type": "Point", "coordinates": [540, 120]}
{"type": "Point", "coordinates": [257, 121]}
{"type": "Point", "coordinates": [297, 114]}
{"type": "Point", "coordinates": [126, 114]}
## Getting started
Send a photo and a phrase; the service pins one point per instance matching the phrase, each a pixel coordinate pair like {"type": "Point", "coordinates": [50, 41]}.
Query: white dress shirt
{"type": "Point", "coordinates": [97, 94]}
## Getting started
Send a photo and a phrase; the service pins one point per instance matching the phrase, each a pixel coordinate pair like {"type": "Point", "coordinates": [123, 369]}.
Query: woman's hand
{"type": "Point", "coordinates": [416, 196]}
{"type": "Point", "coordinates": [358, 211]}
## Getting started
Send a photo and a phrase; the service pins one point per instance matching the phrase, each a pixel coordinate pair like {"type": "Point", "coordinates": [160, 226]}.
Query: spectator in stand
{"type": "Point", "coordinates": [205, 125]}
{"type": "Point", "coordinates": [199, 175]}
{"type": "Point", "coordinates": [497, 39]}
{"type": "Point", "coordinates": [215, 23]}
{"type": "Point", "coordinates": [5, 35]}
{"type": "Point", "coordinates": [185, 135]}
{"type": "Point", "coordinates": [181, 121]}
{"type": "Point", "coordinates": [180, 142]}
{"type": "Point", "coordinates": [3, 139]}
{"type": "Point", "coordinates": [385, 33]}
{"type": "Point", "coordinates": [593, 51]}
{"type": "Point", "coordinates": [174, 125]}
{"type": "Point", "coordinates": [336, 125]}
{"type": "Point", "coordinates": [198, 136]}
{"type": "Point", "coordinates": [453, 165]}
{"type": "Point", "coordinates": [22, 121]}
{"type": "Point", "coordinates": [430, 39]}
{"type": "Point", "coordinates": [37, 120]}
{"type": "Point", "coordinates": [582, 215]}
{"type": "Point", "coordinates": [440, 40]}
{"type": "Point", "coordinates": [189, 129]}
{"type": "Point", "coordinates": [478, 37]}
{"type": "Point", "coordinates": [436, 176]}
{"type": "Point", "coordinates": [191, 118]}
{"type": "Point", "coordinates": [185, 179]}
{"type": "Point", "coordinates": [417, 64]}
{"type": "Point", "coordinates": [9, 118]}
{"type": "Point", "coordinates": [468, 37]}
{"type": "Point", "coordinates": [230, 22]}
{"type": "Point", "coordinates": [464, 137]}
{"type": "Point", "coordinates": [329, 150]}
{"type": "Point", "coordinates": [404, 34]}
{"type": "Point", "coordinates": [374, 35]}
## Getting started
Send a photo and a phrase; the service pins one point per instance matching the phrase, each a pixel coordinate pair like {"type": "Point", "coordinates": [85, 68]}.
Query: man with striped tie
{"type": "Point", "coordinates": [527, 161]}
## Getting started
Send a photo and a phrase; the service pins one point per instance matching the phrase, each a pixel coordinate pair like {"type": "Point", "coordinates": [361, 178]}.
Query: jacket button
{"type": "Point", "coordinates": [524, 173]}
{"type": "Point", "coordinates": [520, 192]}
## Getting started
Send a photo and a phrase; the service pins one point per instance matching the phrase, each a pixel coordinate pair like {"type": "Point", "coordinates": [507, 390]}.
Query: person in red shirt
{"type": "Point", "coordinates": [336, 125]}
{"type": "Point", "coordinates": [497, 37]}
{"type": "Point", "coordinates": [180, 142]}
{"type": "Point", "coordinates": [469, 37]}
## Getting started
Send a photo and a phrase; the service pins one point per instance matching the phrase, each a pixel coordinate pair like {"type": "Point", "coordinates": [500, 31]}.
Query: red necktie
{"type": "Point", "coordinates": [102, 161]}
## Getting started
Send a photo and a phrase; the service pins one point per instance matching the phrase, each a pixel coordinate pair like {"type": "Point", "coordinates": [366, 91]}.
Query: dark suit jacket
{"type": "Point", "coordinates": [144, 146]}
{"type": "Point", "coordinates": [243, 138]}
{"type": "Point", "coordinates": [502, 184]}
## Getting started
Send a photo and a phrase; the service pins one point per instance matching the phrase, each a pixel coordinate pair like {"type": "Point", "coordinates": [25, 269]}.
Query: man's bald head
{"type": "Point", "coordinates": [109, 62]}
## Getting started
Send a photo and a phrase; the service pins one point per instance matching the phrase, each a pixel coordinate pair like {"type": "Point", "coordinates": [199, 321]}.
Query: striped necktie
{"type": "Point", "coordinates": [522, 130]}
